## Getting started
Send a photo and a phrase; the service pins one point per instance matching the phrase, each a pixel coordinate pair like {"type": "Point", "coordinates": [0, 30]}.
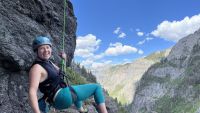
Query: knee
{"type": "Point", "coordinates": [98, 86]}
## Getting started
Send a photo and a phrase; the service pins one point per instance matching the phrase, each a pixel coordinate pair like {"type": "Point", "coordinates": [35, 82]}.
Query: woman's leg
{"type": "Point", "coordinates": [85, 91]}
{"type": "Point", "coordinates": [102, 108]}
{"type": "Point", "coordinates": [63, 99]}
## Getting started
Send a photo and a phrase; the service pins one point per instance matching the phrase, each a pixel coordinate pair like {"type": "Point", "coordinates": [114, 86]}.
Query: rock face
{"type": "Point", "coordinates": [20, 22]}
{"type": "Point", "coordinates": [120, 80]}
{"type": "Point", "coordinates": [172, 86]}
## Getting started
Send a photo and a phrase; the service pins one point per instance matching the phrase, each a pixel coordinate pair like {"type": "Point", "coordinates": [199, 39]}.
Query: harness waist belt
{"type": "Point", "coordinates": [56, 94]}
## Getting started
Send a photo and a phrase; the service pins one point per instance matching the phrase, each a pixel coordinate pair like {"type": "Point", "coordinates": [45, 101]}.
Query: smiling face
{"type": "Point", "coordinates": [44, 52]}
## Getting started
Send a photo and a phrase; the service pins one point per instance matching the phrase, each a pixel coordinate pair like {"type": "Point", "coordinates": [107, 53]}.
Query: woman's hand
{"type": "Point", "coordinates": [63, 55]}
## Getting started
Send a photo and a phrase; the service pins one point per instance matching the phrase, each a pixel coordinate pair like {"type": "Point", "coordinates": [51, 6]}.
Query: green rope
{"type": "Point", "coordinates": [63, 62]}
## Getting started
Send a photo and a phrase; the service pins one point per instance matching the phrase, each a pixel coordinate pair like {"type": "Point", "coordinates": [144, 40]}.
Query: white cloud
{"type": "Point", "coordinates": [98, 65]}
{"type": "Point", "coordinates": [95, 65]}
{"type": "Point", "coordinates": [125, 61]}
{"type": "Point", "coordinates": [118, 49]}
{"type": "Point", "coordinates": [122, 35]}
{"type": "Point", "coordinates": [176, 30]}
{"type": "Point", "coordinates": [140, 33]}
{"type": "Point", "coordinates": [149, 38]}
{"type": "Point", "coordinates": [86, 45]}
{"type": "Point", "coordinates": [87, 62]}
{"type": "Point", "coordinates": [83, 52]}
{"type": "Point", "coordinates": [97, 56]}
{"type": "Point", "coordinates": [116, 31]}
{"type": "Point", "coordinates": [141, 42]}
{"type": "Point", "coordinates": [140, 52]}
{"type": "Point", "coordinates": [145, 40]}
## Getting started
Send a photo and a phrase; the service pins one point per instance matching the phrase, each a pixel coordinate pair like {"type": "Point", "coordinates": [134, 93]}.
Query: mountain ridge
{"type": "Point", "coordinates": [124, 77]}
{"type": "Point", "coordinates": [172, 86]}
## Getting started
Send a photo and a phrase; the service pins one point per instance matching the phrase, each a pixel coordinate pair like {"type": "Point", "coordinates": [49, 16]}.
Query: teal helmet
{"type": "Point", "coordinates": [41, 40]}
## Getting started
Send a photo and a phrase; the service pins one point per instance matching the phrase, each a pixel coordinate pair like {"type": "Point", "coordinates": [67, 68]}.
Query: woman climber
{"type": "Point", "coordinates": [46, 76]}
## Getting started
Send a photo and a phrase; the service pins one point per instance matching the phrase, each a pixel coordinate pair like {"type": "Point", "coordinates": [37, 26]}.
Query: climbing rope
{"type": "Point", "coordinates": [63, 61]}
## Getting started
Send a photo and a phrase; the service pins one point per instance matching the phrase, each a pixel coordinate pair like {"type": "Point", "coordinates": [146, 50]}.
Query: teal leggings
{"type": "Point", "coordinates": [64, 99]}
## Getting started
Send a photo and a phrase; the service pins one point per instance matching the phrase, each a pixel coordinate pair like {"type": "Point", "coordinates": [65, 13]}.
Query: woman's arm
{"type": "Point", "coordinates": [34, 80]}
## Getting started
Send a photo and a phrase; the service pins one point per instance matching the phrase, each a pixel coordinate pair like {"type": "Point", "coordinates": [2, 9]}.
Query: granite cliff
{"type": "Point", "coordinates": [173, 85]}
{"type": "Point", "coordinates": [21, 21]}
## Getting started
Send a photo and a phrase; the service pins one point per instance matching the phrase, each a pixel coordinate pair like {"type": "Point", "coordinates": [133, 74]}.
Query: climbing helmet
{"type": "Point", "coordinates": [40, 40]}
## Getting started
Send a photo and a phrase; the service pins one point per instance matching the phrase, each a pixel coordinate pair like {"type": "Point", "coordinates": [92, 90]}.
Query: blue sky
{"type": "Point", "coordinates": [113, 32]}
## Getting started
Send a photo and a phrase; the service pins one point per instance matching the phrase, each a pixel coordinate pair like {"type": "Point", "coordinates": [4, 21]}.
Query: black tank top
{"type": "Point", "coordinates": [54, 80]}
